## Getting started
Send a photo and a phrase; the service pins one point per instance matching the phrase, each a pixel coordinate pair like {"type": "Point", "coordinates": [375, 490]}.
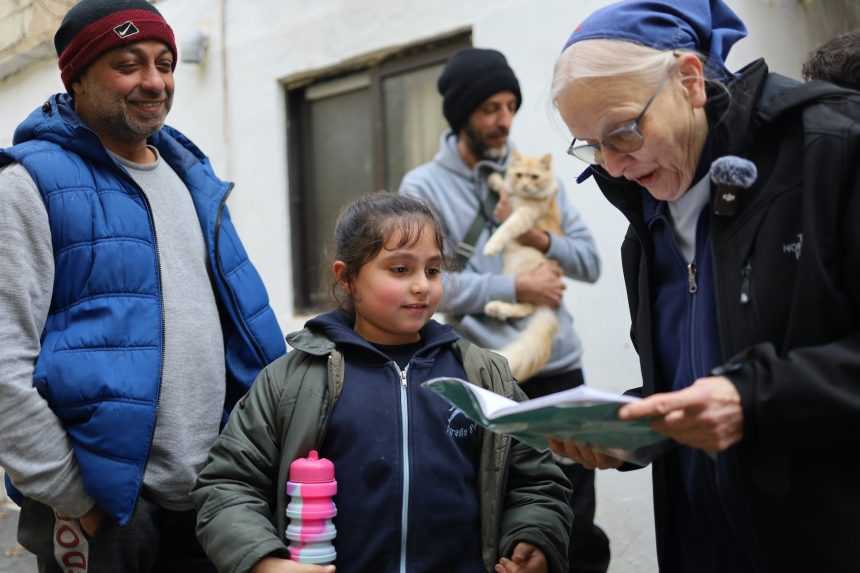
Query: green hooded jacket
{"type": "Point", "coordinates": [241, 498]}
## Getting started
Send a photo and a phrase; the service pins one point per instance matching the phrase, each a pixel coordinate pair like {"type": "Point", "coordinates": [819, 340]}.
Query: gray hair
{"type": "Point", "coordinates": [601, 58]}
{"type": "Point", "coordinates": [604, 57]}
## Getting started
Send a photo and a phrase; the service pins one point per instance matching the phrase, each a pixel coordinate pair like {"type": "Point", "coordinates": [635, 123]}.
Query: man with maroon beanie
{"type": "Point", "coordinates": [131, 318]}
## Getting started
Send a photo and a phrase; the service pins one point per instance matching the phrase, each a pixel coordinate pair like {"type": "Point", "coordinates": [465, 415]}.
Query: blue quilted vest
{"type": "Point", "coordinates": [102, 346]}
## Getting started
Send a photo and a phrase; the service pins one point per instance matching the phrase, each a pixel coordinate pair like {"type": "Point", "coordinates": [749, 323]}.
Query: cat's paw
{"type": "Point", "coordinates": [496, 182]}
{"type": "Point", "coordinates": [496, 309]}
{"type": "Point", "coordinates": [493, 247]}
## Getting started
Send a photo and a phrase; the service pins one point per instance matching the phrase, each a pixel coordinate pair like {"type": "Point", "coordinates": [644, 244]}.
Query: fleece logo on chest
{"type": "Point", "coordinates": [794, 247]}
{"type": "Point", "coordinates": [459, 426]}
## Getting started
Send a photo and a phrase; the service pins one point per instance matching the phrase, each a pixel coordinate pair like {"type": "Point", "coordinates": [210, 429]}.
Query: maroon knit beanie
{"type": "Point", "coordinates": [93, 27]}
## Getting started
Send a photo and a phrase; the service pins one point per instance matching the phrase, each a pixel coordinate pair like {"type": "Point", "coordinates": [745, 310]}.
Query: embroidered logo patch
{"type": "Point", "coordinates": [459, 426]}
{"type": "Point", "coordinates": [794, 247]}
{"type": "Point", "coordinates": [126, 30]}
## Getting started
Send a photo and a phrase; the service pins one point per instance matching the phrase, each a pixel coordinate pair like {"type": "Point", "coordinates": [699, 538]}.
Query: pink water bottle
{"type": "Point", "coordinates": [311, 487]}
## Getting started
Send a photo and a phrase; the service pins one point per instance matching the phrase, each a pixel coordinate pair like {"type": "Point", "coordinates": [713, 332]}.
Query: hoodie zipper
{"type": "Point", "coordinates": [692, 288]}
{"type": "Point", "coordinates": [692, 282]}
{"type": "Point", "coordinates": [404, 432]}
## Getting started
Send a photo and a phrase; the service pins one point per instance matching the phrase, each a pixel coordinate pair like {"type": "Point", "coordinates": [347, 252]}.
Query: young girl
{"type": "Point", "coordinates": [420, 487]}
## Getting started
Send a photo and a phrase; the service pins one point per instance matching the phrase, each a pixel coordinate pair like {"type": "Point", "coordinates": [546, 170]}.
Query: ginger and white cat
{"type": "Point", "coordinates": [531, 188]}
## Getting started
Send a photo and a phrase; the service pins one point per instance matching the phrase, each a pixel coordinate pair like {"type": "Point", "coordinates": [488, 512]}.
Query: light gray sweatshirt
{"type": "Point", "coordinates": [34, 447]}
{"type": "Point", "coordinates": [456, 192]}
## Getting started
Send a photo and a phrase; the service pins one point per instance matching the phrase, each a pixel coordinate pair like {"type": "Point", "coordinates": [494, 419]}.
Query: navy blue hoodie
{"type": "Point", "coordinates": [709, 512]}
{"type": "Point", "coordinates": [406, 462]}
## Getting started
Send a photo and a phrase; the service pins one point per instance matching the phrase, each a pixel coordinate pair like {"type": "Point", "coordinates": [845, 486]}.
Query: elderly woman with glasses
{"type": "Point", "coordinates": [742, 265]}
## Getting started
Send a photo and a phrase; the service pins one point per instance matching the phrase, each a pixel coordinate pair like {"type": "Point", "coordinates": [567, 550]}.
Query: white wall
{"type": "Point", "coordinates": [243, 128]}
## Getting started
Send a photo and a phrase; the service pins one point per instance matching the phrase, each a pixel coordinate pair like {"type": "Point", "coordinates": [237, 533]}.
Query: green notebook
{"type": "Point", "coordinates": [584, 414]}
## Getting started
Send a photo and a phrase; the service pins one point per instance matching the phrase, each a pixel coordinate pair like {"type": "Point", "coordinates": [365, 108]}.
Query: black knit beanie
{"type": "Point", "coordinates": [92, 27]}
{"type": "Point", "coordinates": [471, 76]}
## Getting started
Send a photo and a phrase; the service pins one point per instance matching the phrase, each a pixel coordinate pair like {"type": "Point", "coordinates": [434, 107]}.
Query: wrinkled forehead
{"type": "Point", "coordinates": [589, 106]}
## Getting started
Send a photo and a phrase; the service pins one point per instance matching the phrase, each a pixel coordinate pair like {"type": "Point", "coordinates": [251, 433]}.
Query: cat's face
{"type": "Point", "coordinates": [530, 177]}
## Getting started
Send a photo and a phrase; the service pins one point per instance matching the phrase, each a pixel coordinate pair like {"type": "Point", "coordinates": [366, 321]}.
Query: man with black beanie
{"type": "Point", "coordinates": [481, 95]}
{"type": "Point", "coordinates": [131, 317]}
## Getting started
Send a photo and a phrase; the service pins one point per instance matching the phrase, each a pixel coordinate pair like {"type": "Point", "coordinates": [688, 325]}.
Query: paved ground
{"type": "Point", "coordinates": [625, 512]}
{"type": "Point", "coordinates": [13, 558]}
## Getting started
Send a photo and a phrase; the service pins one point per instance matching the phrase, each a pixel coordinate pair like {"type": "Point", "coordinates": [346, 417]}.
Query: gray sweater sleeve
{"type": "Point", "coordinates": [575, 250]}
{"type": "Point", "coordinates": [34, 446]}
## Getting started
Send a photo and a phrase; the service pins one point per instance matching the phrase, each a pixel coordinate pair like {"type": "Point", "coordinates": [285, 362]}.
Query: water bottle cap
{"type": "Point", "coordinates": [311, 469]}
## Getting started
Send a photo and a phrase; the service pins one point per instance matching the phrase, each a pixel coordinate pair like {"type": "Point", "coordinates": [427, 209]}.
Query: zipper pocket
{"type": "Point", "coordinates": [746, 282]}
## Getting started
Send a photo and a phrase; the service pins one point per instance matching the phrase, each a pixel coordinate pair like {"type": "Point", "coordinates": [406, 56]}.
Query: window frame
{"type": "Point", "coordinates": [378, 66]}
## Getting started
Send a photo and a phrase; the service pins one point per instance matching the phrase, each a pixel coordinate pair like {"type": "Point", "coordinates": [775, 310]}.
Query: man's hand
{"type": "Point", "coordinates": [536, 239]}
{"type": "Point", "coordinates": [91, 522]}
{"type": "Point", "coordinates": [275, 565]}
{"type": "Point", "coordinates": [542, 287]}
{"type": "Point", "coordinates": [583, 454]}
{"type": "Point", "coordinates": [526, 558]}
{"type": "Point", "coordinates": [707, 415]}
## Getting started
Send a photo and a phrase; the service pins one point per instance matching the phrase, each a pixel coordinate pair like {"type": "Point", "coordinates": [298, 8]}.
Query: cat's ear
{"type": "Point", "coordinates": [546, 161]}
{"type": "Point", "coordinates": [516, 156]}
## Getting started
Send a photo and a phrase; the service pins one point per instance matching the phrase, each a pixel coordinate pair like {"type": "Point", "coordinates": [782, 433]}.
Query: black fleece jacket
{"type": "Point", "coordinates": [787, 284]}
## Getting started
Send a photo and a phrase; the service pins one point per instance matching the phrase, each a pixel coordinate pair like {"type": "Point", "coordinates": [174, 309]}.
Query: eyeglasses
{"type": "Point", "coordinates": [625, 138]}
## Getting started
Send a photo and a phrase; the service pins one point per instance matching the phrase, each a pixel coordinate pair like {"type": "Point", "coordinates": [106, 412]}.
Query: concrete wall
{"type": "Point", "coordinates": [233, 106]}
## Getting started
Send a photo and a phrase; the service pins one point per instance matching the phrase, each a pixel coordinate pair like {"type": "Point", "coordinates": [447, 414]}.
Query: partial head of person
{"type": "Point", "coordinates": [480, 96]}
{"type": "Point", "coordinates": [631, 87]}
{"type": "Point", "coordinates": [389, 259]}
{"type": "Point", "coordinates": [836, 61]}
{"type": "Point", "coordinates": [116, 61]}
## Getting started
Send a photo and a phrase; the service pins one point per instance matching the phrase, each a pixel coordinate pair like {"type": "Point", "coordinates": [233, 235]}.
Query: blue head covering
{"type": "Point", "coordinates": [707, 26]}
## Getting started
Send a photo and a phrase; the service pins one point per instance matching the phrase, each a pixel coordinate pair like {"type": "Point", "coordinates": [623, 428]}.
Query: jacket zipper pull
{"type": "Point", "coordinates": [692, 286]}
{"type": "Point", "coordinates": [403, 376]}
{"type": "Point", "coordinates": [746, 273]}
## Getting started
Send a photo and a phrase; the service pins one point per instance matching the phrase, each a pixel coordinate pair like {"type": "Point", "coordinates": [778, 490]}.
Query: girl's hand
{"type": "Point", "coordinates": [526, 558]}
{"type": "Point", "coordinates": [276, 565]}
{"type": "Point", "coordinates": [707, 415]}
{"type": "Point", "coordinates": [583, 454]}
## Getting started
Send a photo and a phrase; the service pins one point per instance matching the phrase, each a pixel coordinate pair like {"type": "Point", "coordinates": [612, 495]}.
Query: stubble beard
{"type": "Point", "coordinates": [479, 147]}
{"type": "Point", "coordinates": [118, 121]}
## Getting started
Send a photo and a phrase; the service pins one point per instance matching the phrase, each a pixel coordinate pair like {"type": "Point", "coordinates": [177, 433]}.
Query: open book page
{"type": "Point", "coordinates": [575, 397]}
{"type": "Point", "coordinates": [492, 404]}
{"type": "Point", "coordinates": [583, 414]}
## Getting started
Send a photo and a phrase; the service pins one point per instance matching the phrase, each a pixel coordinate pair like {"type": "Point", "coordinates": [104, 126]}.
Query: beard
{"type": "Point", "coordinates": [477, 143]}
{"type": "Point", "coordinates": [116, 117]}
{"type": "Point", "coordinates": [143, 126]}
